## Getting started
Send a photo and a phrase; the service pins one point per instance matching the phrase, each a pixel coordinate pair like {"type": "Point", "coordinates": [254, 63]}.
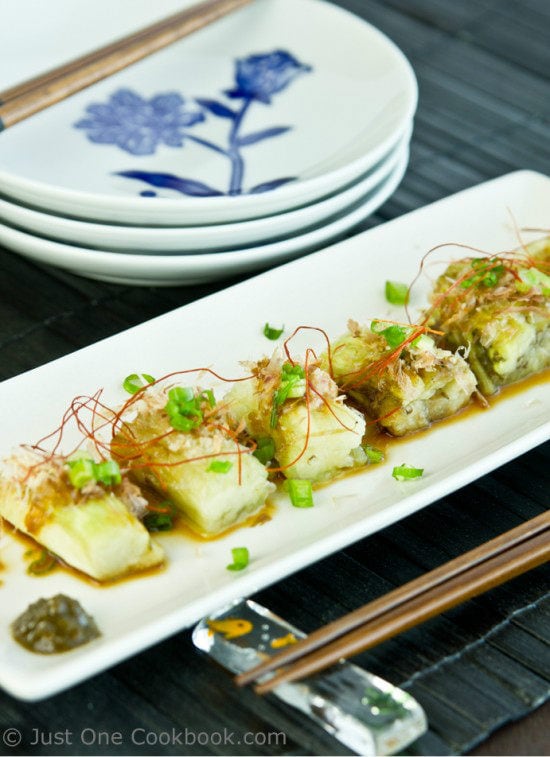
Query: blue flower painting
{"type": "Point", "coordinates": [139, 126]}
{"type": "Point", "coordinates": [258, 77]}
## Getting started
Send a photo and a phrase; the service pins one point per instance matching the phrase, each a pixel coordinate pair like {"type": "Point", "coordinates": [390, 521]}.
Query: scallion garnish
{"type": "Point", "coordinates": [272, 333]}
{"type": "Point", "coordinates": [136, 381]}
{"type": "Point", "coordinates": [300, 492]}
{"type": "Point", "coordinates": [406, 472]}
{"type": "Point", "coordinates": [107, 472]}
{"type": "Point", "coordinates": [220, 466]}
{"type": "Point", "coordinates": [184, 408]}
{"type": "Point", "coordinates": [83, 470]}
{"type": "Point", "coordinates": [293, 385]}
{"type": "Point", "coordinates": [486, 273]}
{"type": "Point", "coordinates": [208, 396]}
{"type": "Point", "coordinates": [397, 293]}
{"type": "Point", "coordinates": [265, 449]}
{"type": "Point", "coordinates": [241, 558]}
{"type": "Point", "coordinates": [393, 334]}
{"type": "Point", "coordinates": [160, 516]}
{"type": "Point", "coordinates": [158, 522]}
{"type": "Point", "coordinates": [374, 455]}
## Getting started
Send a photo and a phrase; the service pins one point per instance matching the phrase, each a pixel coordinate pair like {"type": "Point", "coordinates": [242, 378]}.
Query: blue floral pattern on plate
{"type": "Point", "coordinates": [139, 126]}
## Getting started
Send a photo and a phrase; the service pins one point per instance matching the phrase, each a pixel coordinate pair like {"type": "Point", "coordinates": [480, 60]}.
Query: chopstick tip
{"type": "Point", "coordinates": [262, 688]}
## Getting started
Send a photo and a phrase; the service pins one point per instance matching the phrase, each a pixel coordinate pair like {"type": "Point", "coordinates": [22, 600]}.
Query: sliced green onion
{"type": "Point", "coordinates": [300, 492]}
{"type": "Point", "coordinates": [208, 396]}
{"type": "Point", "coordinates": [374, 455]}
{"type": "Point", "coordinates": [184, 422]}
{"type": "Point", "coordinates": [160, 516]}
{"type": "Point", "coordinates": [296, 389]}
{"type": "Point", "coordinates": [220, 466]}
{"type": "Point", "coordinates": [107, 472]}
{"type": "Point", "coordinates": [241, 558]}
{"type": "Point", "coordinates": [487, 273]}
{"type": "Point", "coordinates": [292, 369]}
{"type": "Point", "coordinates": [406, 472]}
{"type": "Point", "coordinates": [397, 293]}
{"type": "Point", "coordinates": [265, 449]}
{"type": "Point", "coordinates": [181, 394]}
{"type": "Point", "coordinates": [490, 279]}
{"type": "Point", "coordinates": [184, 408]}
{"type": "Point", "coordinates": [272, 333]}
{"type": "Point", "coordinates": [158, 522]}
{"type": "Point", "coordinates": [377, 327]}
{"type": "Point", "coordinates": [81, 472]}
{"type": "Point", "coordinates": [136, 381]}
{"type": "Point", "coordinates": [292, 386]}
{"type": "Point", "coordinates": [393, 334]}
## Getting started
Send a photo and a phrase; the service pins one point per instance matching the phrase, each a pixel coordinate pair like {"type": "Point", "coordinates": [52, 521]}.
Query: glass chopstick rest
{"type": "Point", "coordinates": [361, 710]}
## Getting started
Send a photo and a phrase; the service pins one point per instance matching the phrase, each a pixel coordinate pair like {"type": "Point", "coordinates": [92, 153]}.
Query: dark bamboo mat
{"type": "Point", "coordinates": [484, 74]}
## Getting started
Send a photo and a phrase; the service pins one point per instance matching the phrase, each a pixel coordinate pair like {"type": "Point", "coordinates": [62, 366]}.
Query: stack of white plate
{"type": "Point", "coordinates": [262, 137]}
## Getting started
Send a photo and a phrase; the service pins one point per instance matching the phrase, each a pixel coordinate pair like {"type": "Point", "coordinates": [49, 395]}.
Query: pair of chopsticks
{"type": "Point", "coordinates": [33, 95]}
{"type": "Point", "coordinates": [473, 573]}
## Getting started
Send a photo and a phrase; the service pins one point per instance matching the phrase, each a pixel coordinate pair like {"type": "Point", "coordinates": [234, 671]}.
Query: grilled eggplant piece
{"type": "Point", "coordinates": [499, 309]}
{"type": "Point", "coordinates": [313, 431]}
{"type": "Point", "coordinates": [91, 529]}
{"type": "Point", "coordinates": [212, 480]}
{"type": "Point", "coordinates": [404, 388]}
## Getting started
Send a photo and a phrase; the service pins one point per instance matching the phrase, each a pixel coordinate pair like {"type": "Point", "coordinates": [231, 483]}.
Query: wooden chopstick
{"type": "Point", "coordinates": [466, 576]}
{"type": "Point", "coordinates": [27, 98]}
{"type": "Point", "coordinates": [493, 572]}
{"type": "Point", "coordinates": [456, 567]}
{"type": "Point", "coordinates": [47, 77]}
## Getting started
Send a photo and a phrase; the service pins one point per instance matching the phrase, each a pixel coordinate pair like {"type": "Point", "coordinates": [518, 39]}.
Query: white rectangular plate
{"type": "Point", "coordinates": [324, 289]}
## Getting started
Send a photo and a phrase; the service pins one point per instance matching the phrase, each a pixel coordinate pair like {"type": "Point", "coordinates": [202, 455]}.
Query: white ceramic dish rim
{"type": "Point", "coordinates": [84, 260]}
{"type": "Point", "coordinates": [518, 437]}
{"type": "Point", "coordinates": [106, 207]}
{"type": "Point", "coordinates": [196, 239]}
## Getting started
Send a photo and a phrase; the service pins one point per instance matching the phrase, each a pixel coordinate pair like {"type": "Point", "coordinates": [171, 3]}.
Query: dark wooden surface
{"type": "Point", "coordinates": [483, 68]}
